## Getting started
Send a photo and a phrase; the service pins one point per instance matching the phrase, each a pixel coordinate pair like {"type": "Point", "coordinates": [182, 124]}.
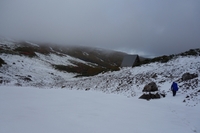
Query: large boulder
{"type": "Point", "coordinates": [150, 96]}
{"type": "Point", "coordinates": [151, 87]}
{"type": "Point", "coordinates": [2, 62]}
{"type": "Point", "coordinates": [188, 76]}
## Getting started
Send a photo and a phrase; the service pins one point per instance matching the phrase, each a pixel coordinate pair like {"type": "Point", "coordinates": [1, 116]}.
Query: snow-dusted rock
{"type": "Point", "coordinates": [150, 96]}
{"type": "Point", "coordinates": [188, 76]}
{"type": "Point", "coordinates": [150, 87]}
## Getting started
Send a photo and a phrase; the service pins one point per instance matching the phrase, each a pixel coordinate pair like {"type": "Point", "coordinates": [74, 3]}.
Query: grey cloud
{"type": "Point", "coordinates": [149, 27]}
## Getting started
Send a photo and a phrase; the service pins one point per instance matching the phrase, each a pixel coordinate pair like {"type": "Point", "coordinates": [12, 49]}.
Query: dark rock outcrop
{"type": "Point", "coordinates": [188, 76]}
{"type": "Point", "coordinates": [2, 62]}
{"type": "Point", "coordinates": [151, 87]}
{"type": "Point", "coordinates": [87, 89]}
{"type": "Point", "coordinates": [152, 96]}
{"type": "Point", "coordinates": [154, 75]}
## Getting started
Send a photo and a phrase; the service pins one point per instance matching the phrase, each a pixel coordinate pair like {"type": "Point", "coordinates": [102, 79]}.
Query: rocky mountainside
{"type": "Point", "coordinates": [85, 61]}
{"type": "Point", "coordinates": [131, 81]}
{"type": "Point", "coordinates": [28, 64]}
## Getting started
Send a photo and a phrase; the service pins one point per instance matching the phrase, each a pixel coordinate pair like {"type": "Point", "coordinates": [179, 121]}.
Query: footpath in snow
{"type": "Point", "coordinates": [33, 110]}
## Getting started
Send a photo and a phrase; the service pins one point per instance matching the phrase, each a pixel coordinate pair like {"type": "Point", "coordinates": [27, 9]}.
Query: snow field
{"type": "Point", "coordinates": [26, 109]}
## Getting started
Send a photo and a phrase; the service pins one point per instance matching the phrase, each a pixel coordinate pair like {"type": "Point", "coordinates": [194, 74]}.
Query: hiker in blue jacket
{"type": "Point", "coordinates": [174, 88]}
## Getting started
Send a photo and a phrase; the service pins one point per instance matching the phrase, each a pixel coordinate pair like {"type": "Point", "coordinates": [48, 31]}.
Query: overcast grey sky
{"type": "Point", "coordinates": [147, 27]}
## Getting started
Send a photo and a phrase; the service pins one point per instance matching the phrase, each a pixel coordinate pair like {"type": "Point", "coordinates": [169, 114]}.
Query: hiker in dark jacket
{"type": "Point", "coordinates": [174, 88]}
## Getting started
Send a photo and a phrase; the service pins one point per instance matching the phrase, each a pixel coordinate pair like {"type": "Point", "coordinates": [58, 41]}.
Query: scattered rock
{"type": "Point", "coordinates": [18, 84]}
{"type": "Point", "coordinates": [87, 89]}
{"type": "Point", "coordinates": [129, 82]}
{"type": "Point", "coordinates": [27, 79]}
{"type": "Point", "coordinates": [156, 96]}
{"type": "Point", "coordinates": [151, 87]}
{"type": "Point", "coordinates": [4, 81]}
{"type": "Point", "coordinates": [187, 96]}
{"type": "Point", "coordinates": [2, 62]}
{"type": "Point", "coordinates": [162, 81]}
{"type": "Point", "coordinates": [163, 95]}
{"type": "Point", "coordinates": [151, 96]}
{"type": "Point", "coordinates": [184, 101]}
{"type": "Point", "coordinates": [145, 96]}
{"type": "Point", "coordinates": [154, 75]}
{"type": "Point", "coordinates": [188, 76]}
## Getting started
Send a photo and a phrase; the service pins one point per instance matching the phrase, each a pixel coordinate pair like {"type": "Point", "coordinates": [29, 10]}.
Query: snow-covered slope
{"type": "Point", "coordinates": [23, 71]}
{"type": "Point", "coordinates": [38, 70]}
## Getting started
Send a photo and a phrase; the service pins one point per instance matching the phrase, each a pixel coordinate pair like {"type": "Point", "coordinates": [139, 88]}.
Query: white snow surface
{"type": "Point", "coordinates": [33, 110]}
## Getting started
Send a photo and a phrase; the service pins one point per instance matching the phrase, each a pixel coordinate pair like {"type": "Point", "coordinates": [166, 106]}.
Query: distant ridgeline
{"type": "Point", "coordinates": [165, 58]}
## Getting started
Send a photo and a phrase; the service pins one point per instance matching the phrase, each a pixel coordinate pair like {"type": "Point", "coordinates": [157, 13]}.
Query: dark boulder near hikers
{"type": "Point", "coordinates": [150, 96]}
{"type": "Point", "coordinates": [151, 87]}
{"type": "Point", "coordinates": [188, 76]}
{"type": "Point", "coordinates": [148, 89]}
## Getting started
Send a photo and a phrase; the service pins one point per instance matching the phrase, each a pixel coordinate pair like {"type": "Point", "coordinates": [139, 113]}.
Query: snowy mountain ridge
{"type": "Point", "coordinates": [21, 70]}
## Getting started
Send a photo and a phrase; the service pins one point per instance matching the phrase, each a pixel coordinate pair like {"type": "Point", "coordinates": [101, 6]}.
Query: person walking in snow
{"type": "Point", "coordinates": [174, 88]}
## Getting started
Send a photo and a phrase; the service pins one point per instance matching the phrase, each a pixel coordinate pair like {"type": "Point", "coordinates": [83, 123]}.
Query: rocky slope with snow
{"type": "Point", "coordinates": [131, 81]}
{"type": "Point", "coordinates": [38, 71]}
